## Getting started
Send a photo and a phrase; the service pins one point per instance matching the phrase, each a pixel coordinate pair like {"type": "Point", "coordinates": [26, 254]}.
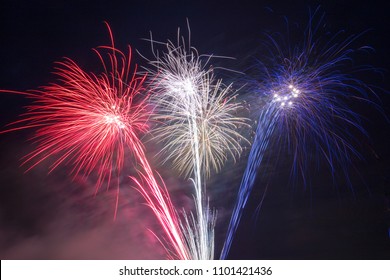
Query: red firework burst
{"type": "Point", "coordinates": [88, 120]}
{"type": "Point", "coordinates": [91, 121]}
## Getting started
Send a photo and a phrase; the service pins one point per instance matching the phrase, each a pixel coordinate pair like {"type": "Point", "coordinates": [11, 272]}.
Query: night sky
{"type": "Point", "coordinates": [55, 216]}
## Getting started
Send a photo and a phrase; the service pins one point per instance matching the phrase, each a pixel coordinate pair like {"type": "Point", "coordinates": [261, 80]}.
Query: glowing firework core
{"type": "Point", "coordinates": [186, 86]}
{"type": "Point", "coordinates": [285, 97]}
{"type": "Point", "coordinates": [114, 120]}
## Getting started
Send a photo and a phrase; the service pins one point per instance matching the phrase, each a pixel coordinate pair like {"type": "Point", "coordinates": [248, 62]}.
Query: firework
{"type": "Point", "coordinates": [305, 89]}
{"type": "Point", "coordinates": [197, 125]}
{"type": "Point", "coordinates": [86, 120]}
{"type": "Point", "coordinates": [188, 93]}
{"type": "Point", "coordinates": [91, 122]}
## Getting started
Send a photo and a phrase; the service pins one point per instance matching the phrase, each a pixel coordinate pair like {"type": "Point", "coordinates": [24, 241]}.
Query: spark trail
{"type": "Point", "coordinates": [306, 88]}
{"type": "Point", "coordinates": [198, 129]}
{"type": "Point", "coordinates": [92, 122]}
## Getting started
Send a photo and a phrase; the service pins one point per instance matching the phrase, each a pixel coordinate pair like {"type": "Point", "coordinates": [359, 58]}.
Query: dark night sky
{"type": "Point", "coordinates": [52, 217]}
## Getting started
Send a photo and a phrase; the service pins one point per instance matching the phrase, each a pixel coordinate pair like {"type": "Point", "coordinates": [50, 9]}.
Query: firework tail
{"type": "Point", "coordinates": [265, 128]}
{"type": "Point", "coordinates": [307, 88]}
{"type": "Point", "coordinates": [90, 122]}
